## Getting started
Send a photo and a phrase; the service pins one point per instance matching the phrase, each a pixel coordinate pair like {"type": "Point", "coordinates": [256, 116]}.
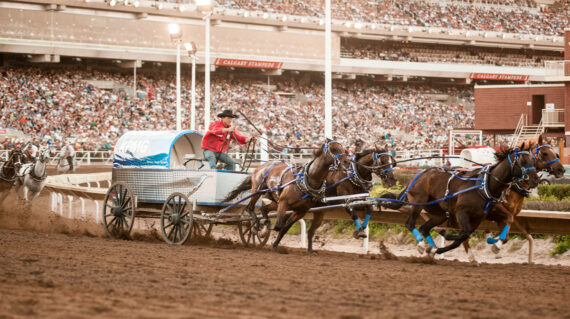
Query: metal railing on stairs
{"type": "Point", "coordinates": [525, 131]}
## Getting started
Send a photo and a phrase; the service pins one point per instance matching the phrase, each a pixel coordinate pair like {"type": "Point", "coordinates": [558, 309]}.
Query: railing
{"type": "Point", "coordinates": [106, 157]}
{"type": "Point", "coordinates": [553, 118]}
{"type": "Point", "coordinates": [557, 68]}
{"type": "Point", "coordinates": [81, 157]}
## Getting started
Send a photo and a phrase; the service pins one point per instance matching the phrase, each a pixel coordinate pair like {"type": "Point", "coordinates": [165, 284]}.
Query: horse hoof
{"type": "Point", "coordinates": [358, 234]}
{"type": "Point", "coordinates": [421, 248]}
{"type": "Point", "coordinates": [495, 249]}
{"type": "Point", "coordinates": [263, 232]}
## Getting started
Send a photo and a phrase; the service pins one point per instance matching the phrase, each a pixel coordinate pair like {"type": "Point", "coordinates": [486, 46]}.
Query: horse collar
{"type": "Point", "coordinates": [357, 180]}
{"type": "Point", "coordinates": [316, 194]}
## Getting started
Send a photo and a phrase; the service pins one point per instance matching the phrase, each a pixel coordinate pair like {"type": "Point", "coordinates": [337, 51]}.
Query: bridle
{"type": "Point", "coordinates": [537, 156]}
{"type": "Point", "coordinates": [377, 164]}
{"type": "Point", "coordinates": [517, 161]}
{"type": "Point", "coordinates": [336, 157]}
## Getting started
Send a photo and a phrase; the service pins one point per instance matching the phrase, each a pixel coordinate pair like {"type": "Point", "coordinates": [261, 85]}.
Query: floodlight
{"type": "Point", "coordinates": [190, 47]}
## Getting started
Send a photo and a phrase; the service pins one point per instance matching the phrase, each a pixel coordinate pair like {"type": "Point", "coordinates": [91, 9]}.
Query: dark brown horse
{"type": "Point", "coordinates": [504, 213]}
{"type": "Point", "coordinates": [355, 180]}
{"type": "Point", "coordinates": [464, 200]}
{"type": "Point", "coordinates": [286, 187]}
{"type": "Point", "coordinates": [9, 172]}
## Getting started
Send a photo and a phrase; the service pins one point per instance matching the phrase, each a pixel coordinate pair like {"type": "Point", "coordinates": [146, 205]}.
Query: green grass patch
{"type": "Point", "coordinates": [562, 245]}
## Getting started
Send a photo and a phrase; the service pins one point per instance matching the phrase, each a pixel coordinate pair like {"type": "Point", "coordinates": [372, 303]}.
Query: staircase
{"type": "Point", "coordinates": [525, 132]}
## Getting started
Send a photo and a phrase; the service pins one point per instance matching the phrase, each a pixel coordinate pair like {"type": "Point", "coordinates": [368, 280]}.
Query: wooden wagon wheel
{"type": "Point", "coordinates": [251, 234]}
{"type": "Point", "coordinates": [119, 210]}
{"type": "Point", "coordinates": [176, 219]}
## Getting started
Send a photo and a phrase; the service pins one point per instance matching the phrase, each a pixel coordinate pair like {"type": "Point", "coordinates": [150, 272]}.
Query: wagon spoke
{"type": "Point", "coordinates": [128, 200]}
{"type": "Point", "coordinates": [170, 232]}
{"type": "Point", "coordinates": [125, 222]}
{"type": "Point", "coordinates": [180, 231]}
{"type": "Point", "coordinates": [128, 215]}
{"type": "Point", "coordinates": [168, 225]}
{"type": "Point", "coordinates": [170, 209]}
{"type": "Point", "coordinates": [175, 233]}
{"type": "Point", "coordinates": [185, 221]}
{"type": "Point", "coordinates": [112, 221]}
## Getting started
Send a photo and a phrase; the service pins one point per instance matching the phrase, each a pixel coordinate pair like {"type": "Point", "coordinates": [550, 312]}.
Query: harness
{"type": "Point", "coordinates": [3, 177]}
{"type": "Point", "coordinates": [303, 186]}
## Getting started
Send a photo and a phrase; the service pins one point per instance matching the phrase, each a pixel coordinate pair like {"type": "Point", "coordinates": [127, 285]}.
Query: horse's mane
{"type": "Point", "coordinates": [319, 151]}
{"type": "Point", "coordinates": [502, 154]}
{"type": "Point", "coordinates": [365, 152]}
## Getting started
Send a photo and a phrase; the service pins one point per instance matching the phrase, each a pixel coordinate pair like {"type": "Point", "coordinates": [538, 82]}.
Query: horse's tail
{"type": "Point", "coordinates": [397, 204]}
{"type": "Point", "coordinates": [244, 186]}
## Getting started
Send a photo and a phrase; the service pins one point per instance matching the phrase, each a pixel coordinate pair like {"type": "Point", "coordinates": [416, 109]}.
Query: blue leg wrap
{"type": "Point", "coordinates": [357, 224]}
{"type": "Point", "coordinates": [430, 241]}
{"type": "Point", "coordinates": [365, 222]}
{"type": "Point", "coordinates": [504, 233]}
{"type": "Point", "coordinates": [491, 241]}
{"type": "Point", "coordinates": [417, 234]}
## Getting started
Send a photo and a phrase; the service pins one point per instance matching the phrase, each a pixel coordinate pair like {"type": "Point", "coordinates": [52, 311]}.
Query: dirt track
{"type": "Point", "coordinates": [47, 274]}
{"type": "Point", "coordinates": [54, 267]}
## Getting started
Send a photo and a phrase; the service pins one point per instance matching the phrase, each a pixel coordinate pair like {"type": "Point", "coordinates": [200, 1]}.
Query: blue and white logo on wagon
{"type": "Point", "coordinates": [149, 149]}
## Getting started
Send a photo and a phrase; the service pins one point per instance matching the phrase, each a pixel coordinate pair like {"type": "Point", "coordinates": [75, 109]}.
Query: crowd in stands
{"type": "Point", "coordinates": [422, 52]}
{"type": "Point", "coordinates": [513, 16]}
{"type": "Point", "coordinates": [63, 105]}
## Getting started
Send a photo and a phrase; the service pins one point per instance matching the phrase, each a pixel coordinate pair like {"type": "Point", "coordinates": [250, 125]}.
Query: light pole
{"type": "Point", "coordinates": [176, 36]}
{"type": "Point", "coordinates": [191, 48]}
{"type": "Point", "coordinates": [206, 7]}
{"type": "Point", "coordinates": [328, 71]}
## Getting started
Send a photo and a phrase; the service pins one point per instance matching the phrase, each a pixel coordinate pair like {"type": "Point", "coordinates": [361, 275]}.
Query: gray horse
{"type": "Point", "coordinates": [33, 177]}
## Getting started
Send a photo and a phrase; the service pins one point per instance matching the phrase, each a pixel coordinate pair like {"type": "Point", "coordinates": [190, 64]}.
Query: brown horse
{"type": "Point", "coordinates": [504, 213]}
{"type": "Point", "coordinates": [357, 179]}
{"type": "Point", "coordinates": [287, 187]}
{"type": "Point", "coordinates": [464, 200]}
{"type": "Point", "coordinates": [9, 172]}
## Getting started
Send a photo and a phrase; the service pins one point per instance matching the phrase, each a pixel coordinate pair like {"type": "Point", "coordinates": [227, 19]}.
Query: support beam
{"type": "Point", "coordinates": [44, 58]}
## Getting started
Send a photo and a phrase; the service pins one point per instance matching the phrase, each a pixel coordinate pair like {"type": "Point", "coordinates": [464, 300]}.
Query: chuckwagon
{"type": "Point", "coordinates": [162, 175]}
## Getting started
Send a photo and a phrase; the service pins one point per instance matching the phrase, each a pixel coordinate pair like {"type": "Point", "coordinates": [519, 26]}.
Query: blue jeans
{"type": "Point", "coordinates": [222, 157]}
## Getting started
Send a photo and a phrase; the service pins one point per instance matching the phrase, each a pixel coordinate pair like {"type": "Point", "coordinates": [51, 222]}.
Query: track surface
{"type": "Point", "coordinates": [58, 275]}
{"type": "Point", "coordinates": [51, 267]}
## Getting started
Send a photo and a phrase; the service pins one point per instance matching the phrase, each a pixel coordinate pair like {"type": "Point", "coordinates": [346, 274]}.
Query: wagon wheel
{"type": "Point", "coordinates": [201, 229]}
{"type": "Point", "coordinates": [119, 210]}
{"type": "Point", "coordinates": [251, 234]}
{"type": "Point", "coordinates": [176, 219]}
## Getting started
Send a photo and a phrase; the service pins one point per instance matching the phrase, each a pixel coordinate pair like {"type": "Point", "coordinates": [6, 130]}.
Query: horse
{"type": "Point", "coordinates": [504, 213]}
{"type": "Point", "coordinates": [287, 187]}
{"type": "Point", "coordinates": [463, 200]}
{"type": "Point", "coordinates": [63, 165]}
{"type": "Point", "coordinates": [354, 180]}
{"type": "Point", "coordinates": [33, 177]}
{"type": "Point", "coordinates": [8, 173]}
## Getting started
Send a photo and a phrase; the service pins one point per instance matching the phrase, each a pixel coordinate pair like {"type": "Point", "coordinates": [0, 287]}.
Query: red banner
{"type": "Point", "coordinates": [2, 131]}
{"type": "Point", "coordinates": [499, 77]}
{"type": "Point", "coordinates": [249, 64]}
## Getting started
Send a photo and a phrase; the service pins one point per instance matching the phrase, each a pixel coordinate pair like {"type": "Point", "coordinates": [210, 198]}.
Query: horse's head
{"type": "Point", "coordinates": [384, 164]}
{"type": "Point", "coordinates": [522, 165]}
{"type": "Point", "coordinates": [15, 159]}
{"type": "Point", "coordinates": [333, 153]}
{"type": "Point", "coordinates": [44, 154]}
{"type": "Point", "coordinates": [546, 158]}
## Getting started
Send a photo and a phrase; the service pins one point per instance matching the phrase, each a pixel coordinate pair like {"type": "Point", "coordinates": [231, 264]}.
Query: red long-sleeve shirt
{"type": "Point", "coordinates": [214, 138]}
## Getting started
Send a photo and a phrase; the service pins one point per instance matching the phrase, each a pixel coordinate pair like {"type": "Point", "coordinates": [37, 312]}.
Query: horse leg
{"type": "Point", "coordinates": [358, 232]}
{"type": "Point", "coordinates": [528, 237]}
{"type": "Point", "coordinates": [464, 233]}
{"type": "Point", "coordinates": [435, 220]}
{"type": "Point", "coordinates": [281, 211]}
{"type": "Point", "coordinates": [504, 225]}
{"type": "Point", "coordinates": [285, 229]}
{"type": "Point", "coordinates": [317, 221]}
{"type": "Point", "coordinates": [411, 224]}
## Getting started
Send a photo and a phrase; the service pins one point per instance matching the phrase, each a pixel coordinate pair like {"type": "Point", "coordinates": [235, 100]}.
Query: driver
{"type": "Point", "coordinates": [30, 152]}
{"type": "Point", "coordinates": [216, 141]}
{"type": "Point", "coordinates": [68, 153]}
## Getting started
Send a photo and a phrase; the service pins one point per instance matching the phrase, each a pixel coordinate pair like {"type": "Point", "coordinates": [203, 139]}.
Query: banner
{"type": "Point", "coordinates": [499, 77]}
{"type": "Point", "coordinates": [248, 64]}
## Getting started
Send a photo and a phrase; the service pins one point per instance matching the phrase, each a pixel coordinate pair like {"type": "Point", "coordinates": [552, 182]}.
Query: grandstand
{"type": "Point", "coordinates": [404, 71]}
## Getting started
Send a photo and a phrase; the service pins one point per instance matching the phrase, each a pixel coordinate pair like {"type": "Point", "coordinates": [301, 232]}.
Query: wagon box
{"type": "Point", "coordinates": [152, 164]}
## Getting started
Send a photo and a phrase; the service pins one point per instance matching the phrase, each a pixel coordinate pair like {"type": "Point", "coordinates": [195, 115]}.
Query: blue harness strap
{"type": "Point", "coordinates": [411, 184]}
